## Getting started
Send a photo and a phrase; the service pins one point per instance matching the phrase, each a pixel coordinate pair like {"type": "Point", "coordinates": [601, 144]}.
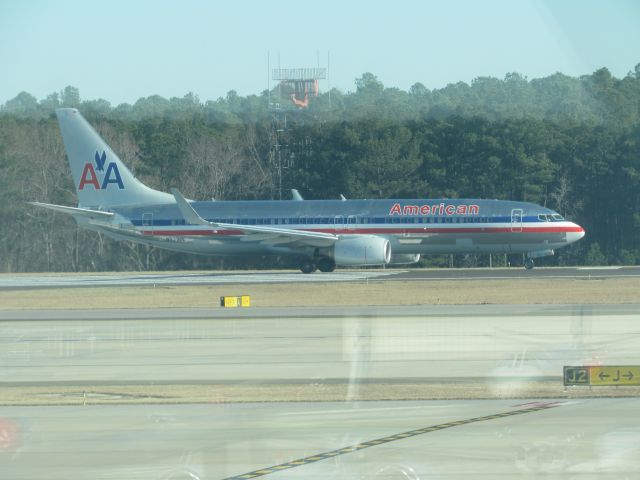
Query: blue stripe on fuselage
{"type": "Point", "coordinates": [375, 220]}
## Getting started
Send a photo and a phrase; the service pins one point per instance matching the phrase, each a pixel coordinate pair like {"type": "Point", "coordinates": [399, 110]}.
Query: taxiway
{"type": "Point", "coordinates": [578, 439]}
{"type": "Point", "coordinates": [218, 345]}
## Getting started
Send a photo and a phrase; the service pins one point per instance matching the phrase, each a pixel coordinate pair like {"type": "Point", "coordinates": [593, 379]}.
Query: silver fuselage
{"type": "Point", "coordinates": [430, 226]}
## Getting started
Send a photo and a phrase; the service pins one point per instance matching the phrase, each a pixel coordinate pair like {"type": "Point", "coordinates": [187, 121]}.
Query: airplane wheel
{"type": "Point", "coordinates": [307, 266]}
{"type": "Point", "coordinates": [326, 264]}
{"type": "Point", "coordinates": [529, 263]}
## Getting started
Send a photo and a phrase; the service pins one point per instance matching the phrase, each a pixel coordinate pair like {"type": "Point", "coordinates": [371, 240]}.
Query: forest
{"type": "Point", "coordinates": [569, 143]}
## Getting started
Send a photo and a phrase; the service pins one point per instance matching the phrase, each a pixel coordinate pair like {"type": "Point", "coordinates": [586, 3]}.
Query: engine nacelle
{"type": "Point", "coordinates": [404, 258]}
{"type": "Point", "coordinates": [541, 253]}
{"type": "Point", "coordinates": [362, 250]}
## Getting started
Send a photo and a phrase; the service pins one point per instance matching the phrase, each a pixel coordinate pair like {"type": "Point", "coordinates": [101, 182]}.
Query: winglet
{"type": "Point", "coordinates": [295, 195]}
{"type": "Point", "coordinates": [187, 211]}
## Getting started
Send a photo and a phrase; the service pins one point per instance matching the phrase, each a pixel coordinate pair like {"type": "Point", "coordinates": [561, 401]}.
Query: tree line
{"type": "Point", "coordinates": [572, 144]}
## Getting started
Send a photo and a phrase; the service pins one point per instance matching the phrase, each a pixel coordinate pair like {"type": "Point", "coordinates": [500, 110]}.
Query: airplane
{"type": "Point", "coordinates": [322, 234]}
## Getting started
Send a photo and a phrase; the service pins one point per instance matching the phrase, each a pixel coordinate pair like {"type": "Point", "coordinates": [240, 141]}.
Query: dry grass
{"type": "Point", "coordinates": [317, 392]}
{"type": "Point", "coordinates": [374, 292]}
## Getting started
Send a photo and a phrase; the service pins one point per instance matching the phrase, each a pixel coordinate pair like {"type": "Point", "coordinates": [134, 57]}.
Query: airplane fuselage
{"type": "Point", "coordinates": [412, 226]}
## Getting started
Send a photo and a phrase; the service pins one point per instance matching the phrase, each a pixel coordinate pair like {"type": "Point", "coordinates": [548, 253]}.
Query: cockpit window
{"type": "Point", "coordinates": [543, 217]}
{"type": "Point", "coordinates": [557, 217]}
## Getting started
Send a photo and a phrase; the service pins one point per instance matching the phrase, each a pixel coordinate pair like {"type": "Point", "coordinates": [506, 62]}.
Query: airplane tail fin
{"type": "Point", "coordinates": [100, 177]}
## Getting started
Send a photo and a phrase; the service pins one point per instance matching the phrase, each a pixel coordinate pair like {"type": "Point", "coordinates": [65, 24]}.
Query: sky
{"type": "Point", "coordinates": [122, 50]}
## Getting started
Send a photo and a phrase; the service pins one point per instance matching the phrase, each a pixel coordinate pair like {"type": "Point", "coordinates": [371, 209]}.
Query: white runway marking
{"type": "Point", "coordinates": [598, 268]}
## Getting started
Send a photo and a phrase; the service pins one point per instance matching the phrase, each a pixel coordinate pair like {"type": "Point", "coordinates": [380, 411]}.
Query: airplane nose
{"type": "Point", "coordinates": [575, 233]}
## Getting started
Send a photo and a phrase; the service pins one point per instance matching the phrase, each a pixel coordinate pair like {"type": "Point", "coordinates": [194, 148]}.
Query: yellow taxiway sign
{"type": "Point", "coordinates": [615, 375]}
{"type": "Point", "coordinates": [610, 375]}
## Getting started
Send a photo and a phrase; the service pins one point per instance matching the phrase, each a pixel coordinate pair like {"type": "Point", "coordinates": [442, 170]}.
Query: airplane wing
{"type": "Point", "coordinates": [256, 232]}
{"type": "Point", "coordinates": [85, 212]}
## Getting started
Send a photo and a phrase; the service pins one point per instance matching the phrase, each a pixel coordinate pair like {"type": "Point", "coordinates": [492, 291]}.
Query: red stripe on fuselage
{"type": "Point", "coordinates": [375, 231]}
{"type": "Point", "coordinates": [191, 233]}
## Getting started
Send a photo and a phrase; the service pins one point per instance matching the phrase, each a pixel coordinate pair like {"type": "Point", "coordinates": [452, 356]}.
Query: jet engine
{"type": "Point", "coordinates": [362, 250]}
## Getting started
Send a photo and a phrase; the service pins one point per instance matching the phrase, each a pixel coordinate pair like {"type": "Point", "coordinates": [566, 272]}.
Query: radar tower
{"type": "Point", "coordinates": [295, 90]}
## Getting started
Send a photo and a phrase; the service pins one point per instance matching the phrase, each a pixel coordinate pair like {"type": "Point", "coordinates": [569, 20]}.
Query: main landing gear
{"type": "Point", "coordinates": [324, 264]}
{"type": "Point", "coordinates": [529, 263]}
{"type": "Point", "coordinates": [307, 266]}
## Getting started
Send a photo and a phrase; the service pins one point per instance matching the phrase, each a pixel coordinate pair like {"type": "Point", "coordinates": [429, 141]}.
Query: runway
{"type": "Point", "coordinates": [498, 349]}
{"type": "Point", "coordinates": [21, 281]}
{"type": "Point", "coordinates": [75, 280]}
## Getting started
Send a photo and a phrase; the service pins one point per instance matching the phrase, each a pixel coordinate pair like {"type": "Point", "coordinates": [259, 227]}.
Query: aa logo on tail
{"type": "Point", "coordinates": [89, 176]}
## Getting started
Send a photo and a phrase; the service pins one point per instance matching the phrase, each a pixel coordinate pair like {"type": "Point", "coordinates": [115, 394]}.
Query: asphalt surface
{"type": "Point", "coordinates": [279, 344]}
{"type": "Point", "coordinates": [503, 346]}
{"type": "Point", "coordinates": [26, 281]}
{"type": "Point", "coordinates": [155, 314]}
{"type": "Point", "coordinates": [580, 439]}
{"type": "Point", "coordinates": [517, 272]}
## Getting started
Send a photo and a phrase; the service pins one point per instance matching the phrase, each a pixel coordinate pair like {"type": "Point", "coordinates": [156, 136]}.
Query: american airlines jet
{"type": "Point", "coordinates": [322, 234]}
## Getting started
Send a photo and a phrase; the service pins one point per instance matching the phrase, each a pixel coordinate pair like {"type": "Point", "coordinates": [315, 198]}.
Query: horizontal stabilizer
{"type": "Point", "coordinates": [84, 212]}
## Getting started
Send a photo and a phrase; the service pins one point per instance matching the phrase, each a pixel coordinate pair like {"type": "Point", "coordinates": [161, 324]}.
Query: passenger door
{"type": "Point", "coordinates": [516, 220]}
{"type": "Point", "coordinates": [147, 221]}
